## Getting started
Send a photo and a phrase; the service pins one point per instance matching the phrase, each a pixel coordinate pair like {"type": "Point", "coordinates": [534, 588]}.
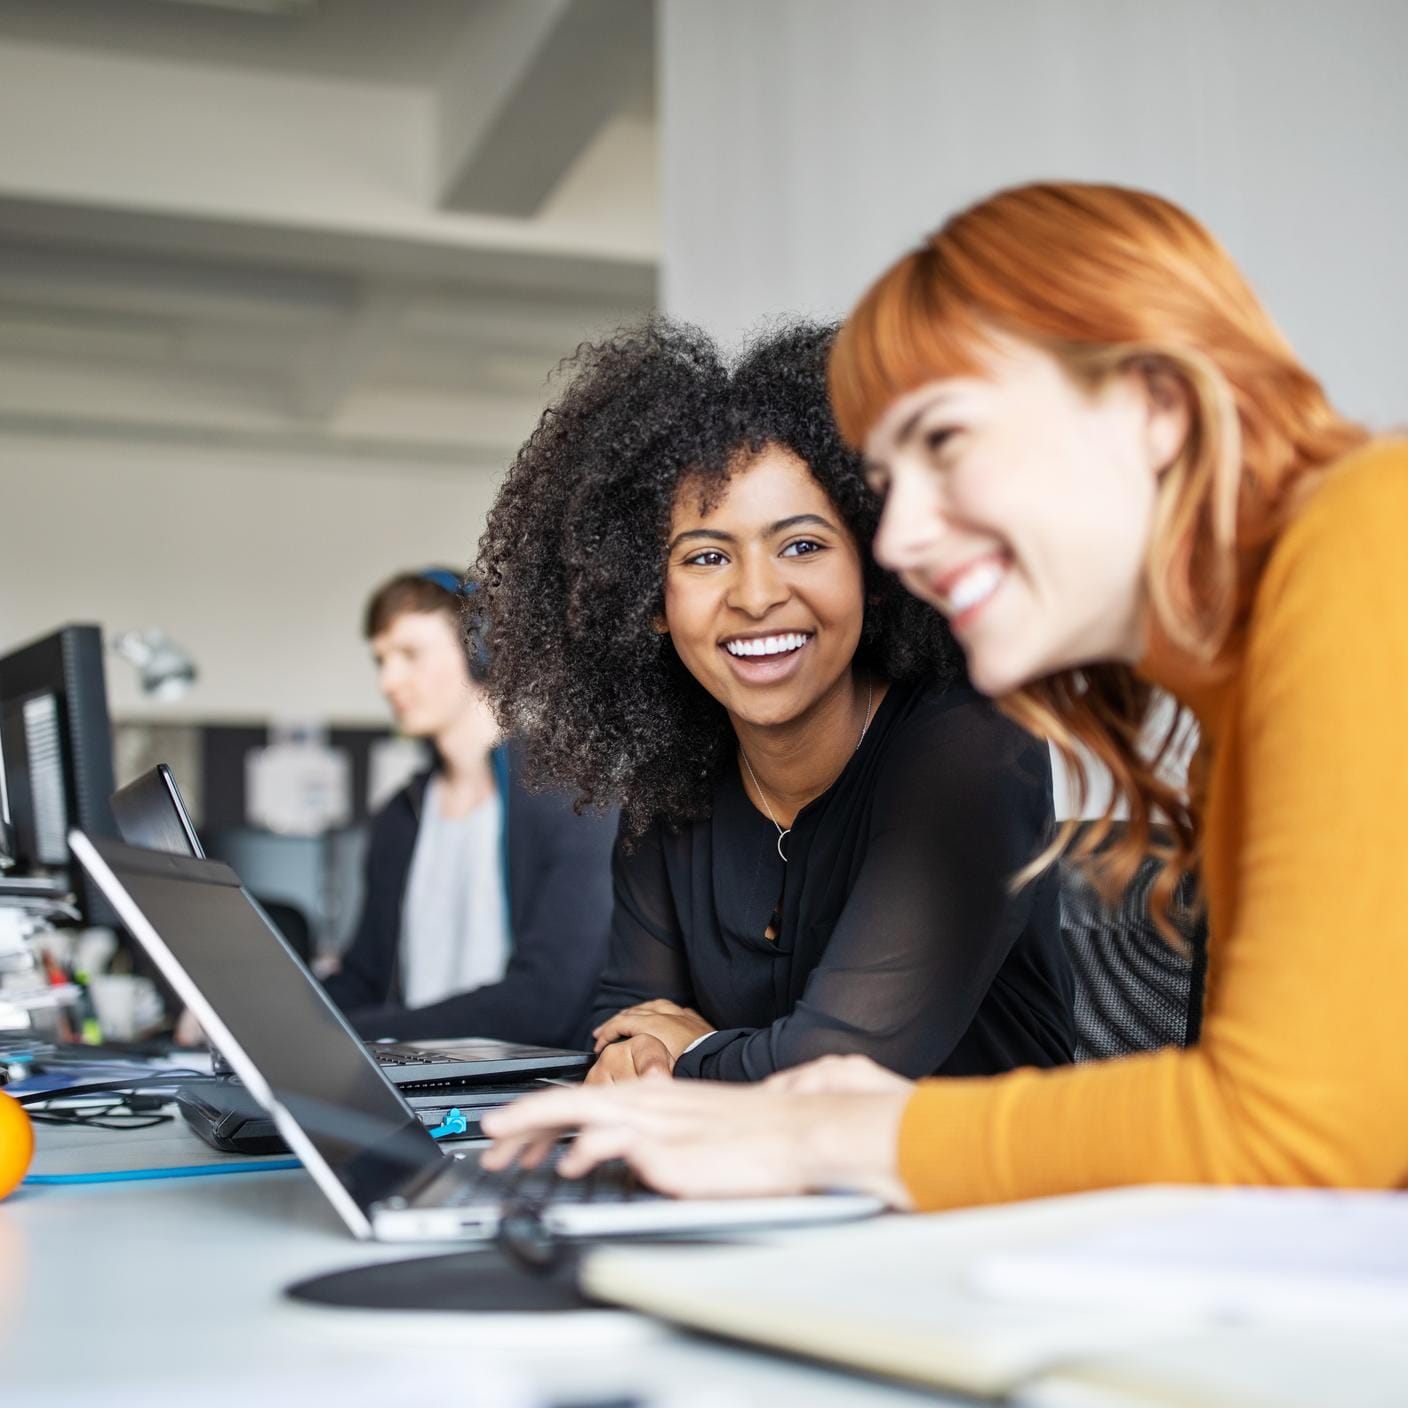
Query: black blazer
{"type": "Point", "coordinates": [558, 883]}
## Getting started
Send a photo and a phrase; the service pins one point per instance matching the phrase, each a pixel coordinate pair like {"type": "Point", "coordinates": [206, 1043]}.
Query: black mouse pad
{"type": "Point", "coordinates": [484, 1281]}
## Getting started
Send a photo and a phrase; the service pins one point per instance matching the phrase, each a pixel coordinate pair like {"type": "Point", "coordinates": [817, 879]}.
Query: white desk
{"type": "Point", "coordinates": [169, 1292]}
{"type": "Point", "coordinates": [139, 1295]}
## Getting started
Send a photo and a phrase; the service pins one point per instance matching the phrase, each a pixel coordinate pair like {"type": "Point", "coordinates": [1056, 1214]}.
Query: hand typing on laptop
{"type": "Point", "coordinates": [833, 1123]}
{"type": "Point", "coordinates": [335, 1101]}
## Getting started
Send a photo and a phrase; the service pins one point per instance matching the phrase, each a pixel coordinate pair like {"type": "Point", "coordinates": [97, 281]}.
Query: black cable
{"type": "Point", "coordinates": [117, 1114]}
{"type": "Point", "coordinates": [115, 1122]}
{"type": "Point", "coordinates": [133, 1085]}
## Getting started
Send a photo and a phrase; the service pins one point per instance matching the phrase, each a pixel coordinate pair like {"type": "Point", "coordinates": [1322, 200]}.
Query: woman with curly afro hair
{"type": "Point", "coordinates": [819, 816]}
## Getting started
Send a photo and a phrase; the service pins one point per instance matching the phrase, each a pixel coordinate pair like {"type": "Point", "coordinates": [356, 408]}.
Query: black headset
{"type": "Point", "coordinates": [476, 649]}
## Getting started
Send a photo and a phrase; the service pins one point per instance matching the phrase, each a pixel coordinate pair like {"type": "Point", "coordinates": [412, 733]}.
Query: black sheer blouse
{"type": "Point", "coordinates": [899, 937]}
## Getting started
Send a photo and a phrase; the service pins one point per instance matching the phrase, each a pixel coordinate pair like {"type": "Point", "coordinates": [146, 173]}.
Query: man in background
{"type": "Point", "coordinates": [487, 907]}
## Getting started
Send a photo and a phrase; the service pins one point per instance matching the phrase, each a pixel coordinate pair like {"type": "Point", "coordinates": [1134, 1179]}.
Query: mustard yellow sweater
{"type": "Point", "coordinates": [1301, 1075]}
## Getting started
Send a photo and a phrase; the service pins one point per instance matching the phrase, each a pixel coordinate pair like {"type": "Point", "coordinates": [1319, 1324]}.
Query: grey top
{"type": "Point", "coordinates": [455, 920]}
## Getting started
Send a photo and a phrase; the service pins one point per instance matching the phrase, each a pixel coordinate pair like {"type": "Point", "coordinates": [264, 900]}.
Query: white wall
{"type": "Point", "coordinates": [259, 565]}
{"type": "Point", "coordinates": [807, 143]}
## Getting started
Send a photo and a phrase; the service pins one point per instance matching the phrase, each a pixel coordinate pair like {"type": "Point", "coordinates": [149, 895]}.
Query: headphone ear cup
{"type": "Point", "coordinates": [476, 655]}
{"type": "Point", "coordinates": [476, 648]}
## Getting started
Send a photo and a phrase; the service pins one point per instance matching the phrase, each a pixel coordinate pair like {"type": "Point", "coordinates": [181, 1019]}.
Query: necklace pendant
{"type": "Point", "coordinates": [781, 837]}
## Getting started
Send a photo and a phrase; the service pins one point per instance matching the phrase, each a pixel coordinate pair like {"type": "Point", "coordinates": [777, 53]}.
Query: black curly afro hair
{"type": "Point", "coordinates": [571, 564]}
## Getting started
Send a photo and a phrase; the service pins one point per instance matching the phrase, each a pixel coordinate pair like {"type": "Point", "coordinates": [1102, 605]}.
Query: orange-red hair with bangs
{"type": "Point", "coordinates": [1104, 277]}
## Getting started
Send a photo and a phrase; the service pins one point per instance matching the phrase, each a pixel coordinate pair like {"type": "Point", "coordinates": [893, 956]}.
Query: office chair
{"type": "Point", "coordinates": [292, 923]}
{"type": "Point", "coordinates": [1134, 992]}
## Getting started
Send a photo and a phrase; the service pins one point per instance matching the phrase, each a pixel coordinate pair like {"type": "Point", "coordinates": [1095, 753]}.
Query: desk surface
{"type": "Point", "coordinates": [140, 1293]}
{"type": "Point", "coordinates": [143, 1294]}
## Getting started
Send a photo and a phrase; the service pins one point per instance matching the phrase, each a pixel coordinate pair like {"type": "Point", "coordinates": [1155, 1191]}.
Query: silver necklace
{"type": "Point", "coordinates": [781, 834]}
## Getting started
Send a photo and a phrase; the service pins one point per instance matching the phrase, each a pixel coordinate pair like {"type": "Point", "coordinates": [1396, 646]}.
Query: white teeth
{"type": "Point", "coordinates": [975, 586]}
{"type": "Point", "coordinates": [768, 645]}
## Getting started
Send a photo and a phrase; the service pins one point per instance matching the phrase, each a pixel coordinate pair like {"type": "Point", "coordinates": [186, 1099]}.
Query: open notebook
{"type": "Point", "coordinates": [975, 1301]}
{"type": "Point", "coordinates": [1269, 1255]}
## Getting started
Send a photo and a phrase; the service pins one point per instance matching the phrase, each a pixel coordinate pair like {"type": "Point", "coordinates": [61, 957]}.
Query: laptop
{"type": "Point", "coordinates": [334, 1105]}
{"type": "Point", "coordinates": [150, 813]}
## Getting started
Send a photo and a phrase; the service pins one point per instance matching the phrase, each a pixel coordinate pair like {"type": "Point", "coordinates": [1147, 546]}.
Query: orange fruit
{"type": "Point", "coordinates": [16, 1143]}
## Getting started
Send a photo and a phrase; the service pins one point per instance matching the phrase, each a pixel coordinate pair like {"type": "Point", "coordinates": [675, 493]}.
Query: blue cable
{"type": "Point", "coordinates": [454, 1122]}
{"type": "Point", "coordinates": [133, 1175]}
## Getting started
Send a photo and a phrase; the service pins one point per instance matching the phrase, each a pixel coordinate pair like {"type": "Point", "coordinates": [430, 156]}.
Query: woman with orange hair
{"type": "Point", "coordinates": [1102, 462]}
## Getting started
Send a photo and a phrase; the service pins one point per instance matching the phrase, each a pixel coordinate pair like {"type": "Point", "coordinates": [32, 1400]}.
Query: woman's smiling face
{"type": "Point", "coordinates": [764, 593]}
{"type": "Point", "coordinates": [1020, 504]}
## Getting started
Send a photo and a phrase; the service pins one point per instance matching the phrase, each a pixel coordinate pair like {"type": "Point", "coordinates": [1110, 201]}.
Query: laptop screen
{"type": "Point", "coordinates": [150, 813]}
{"type": "Point", "coordinates": [277, 1014]}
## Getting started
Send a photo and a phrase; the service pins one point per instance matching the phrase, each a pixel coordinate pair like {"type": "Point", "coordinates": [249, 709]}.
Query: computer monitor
{"type": "Point", "coordinates": [56, 744]}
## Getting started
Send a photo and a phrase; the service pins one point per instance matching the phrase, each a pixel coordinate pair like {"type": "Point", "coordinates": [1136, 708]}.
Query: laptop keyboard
{"type": "Point", "coordinates": [384, 1055]}
{"type": "Point", "coordinates": [391, 1053]}
{"type": "Point", "coordinates": [401, 1056]}
{"type": "Point", "coordinates": [611, 1182]}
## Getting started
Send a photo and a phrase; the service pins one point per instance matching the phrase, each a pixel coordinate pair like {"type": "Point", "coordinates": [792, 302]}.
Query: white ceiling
{"type": "Point", "coordinates": [371, 228]}
{"type": "Point", "coordinates": [376, 41]}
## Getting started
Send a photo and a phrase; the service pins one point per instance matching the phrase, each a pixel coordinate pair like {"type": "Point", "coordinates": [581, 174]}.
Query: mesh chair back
{"type": "Point", "coordinates": [1134, 992]}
